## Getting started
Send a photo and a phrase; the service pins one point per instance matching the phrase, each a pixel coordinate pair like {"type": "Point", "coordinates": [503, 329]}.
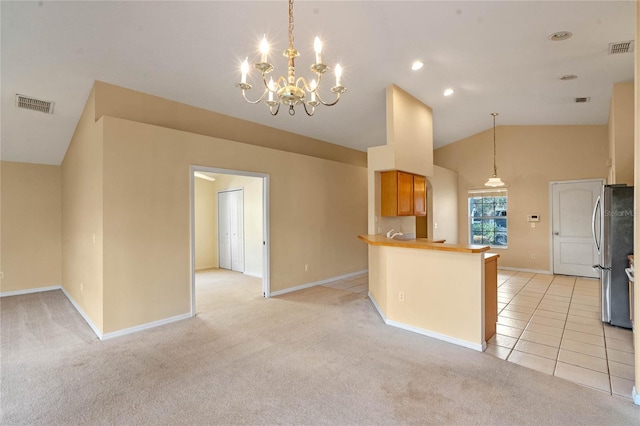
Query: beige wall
{"type": "Point", "coordinates": [444, 196]}
{"type": "Point", "coordinates": [31, 223]}
{"type": "Point", "coordinates": [621, 122]}
{"type": "Point", "coordinates": [409, 132]}
{"type": "Point", "coordinates": [82, 216]}
{"type": "Point", "coordinates": [126, 204]}
{"type": "Point", "coordinates": [443, 291]}
{"type": "Point", "coordinates": [636, 228]}
{"type": "Point", "coordinates": [150, 109]}
{"type": "Point", "coordinates": [528, 158]}
{"type": "Point", "coordinates": [206, 229]}
{"type": "Point", "coordinates": [317, 207]}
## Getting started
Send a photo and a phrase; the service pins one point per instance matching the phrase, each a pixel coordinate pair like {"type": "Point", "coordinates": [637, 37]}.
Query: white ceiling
{"type": "Point", "coordinates": [495, 54]}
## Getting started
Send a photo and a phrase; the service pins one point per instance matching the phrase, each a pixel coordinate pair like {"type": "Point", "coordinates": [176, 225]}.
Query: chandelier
{"type": "Point", "coordinates": [494, 181]}
{"type": "Point", "coordinates": [289, 90]}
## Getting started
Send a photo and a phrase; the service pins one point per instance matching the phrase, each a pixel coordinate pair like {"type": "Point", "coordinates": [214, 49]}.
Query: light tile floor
{"type": "Point", "coordinates": [551, 323]}
{"type": "Point", "coordinates": [356, 284]}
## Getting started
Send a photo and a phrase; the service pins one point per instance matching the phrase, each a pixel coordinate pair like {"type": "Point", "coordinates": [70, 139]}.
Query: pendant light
{"type": "Point", "coordinates": [494, 181]}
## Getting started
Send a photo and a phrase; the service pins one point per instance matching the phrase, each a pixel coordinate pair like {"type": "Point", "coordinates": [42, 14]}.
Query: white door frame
{"type": "Point", "coordinates": [266, 253]}
{"type": "Point", "coordinates": [551, 251]}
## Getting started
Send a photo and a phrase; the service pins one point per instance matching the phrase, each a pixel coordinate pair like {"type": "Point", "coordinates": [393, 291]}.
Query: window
{"type": "Point", "coordinates": [488, 217]}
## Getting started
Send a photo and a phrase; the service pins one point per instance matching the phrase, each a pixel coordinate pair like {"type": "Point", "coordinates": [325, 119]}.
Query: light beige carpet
{"type": "Point", "coordinates": [317, 356]}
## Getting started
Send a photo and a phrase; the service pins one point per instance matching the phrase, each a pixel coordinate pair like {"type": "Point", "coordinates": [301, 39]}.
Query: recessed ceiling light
{"type": "Point", "coordinates": [568, 77]}
{"type": "Point", "coordinates": [448, 92]}
{"type": "Point", "coordinates": [417, 65]}
{"type": "Point", "coordinates": [560, 35]}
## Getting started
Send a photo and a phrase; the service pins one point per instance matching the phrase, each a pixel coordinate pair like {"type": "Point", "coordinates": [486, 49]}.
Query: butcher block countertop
{"type": "Point", "coordinates": [422, 243]}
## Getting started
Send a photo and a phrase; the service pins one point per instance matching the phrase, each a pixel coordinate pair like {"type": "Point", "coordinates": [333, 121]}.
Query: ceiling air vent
{"type": "Point", "coordinates": [621, 47]}
{"type": "Point", "coordinates": [28, 102]}
{"type": "Point", "coordinates": [582, 100]}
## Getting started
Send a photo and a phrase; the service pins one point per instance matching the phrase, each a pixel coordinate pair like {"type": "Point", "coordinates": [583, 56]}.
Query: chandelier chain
{"type": "Point", "coordinates": [290, 24]}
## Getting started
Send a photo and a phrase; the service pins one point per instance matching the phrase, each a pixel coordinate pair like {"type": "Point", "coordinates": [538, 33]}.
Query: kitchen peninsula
{"type": "Point", "coordinates": [445, 291]}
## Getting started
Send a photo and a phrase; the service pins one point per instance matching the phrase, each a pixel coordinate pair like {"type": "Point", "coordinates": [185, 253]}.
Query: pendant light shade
{"type": "Point", "coordinates": [494, 181]}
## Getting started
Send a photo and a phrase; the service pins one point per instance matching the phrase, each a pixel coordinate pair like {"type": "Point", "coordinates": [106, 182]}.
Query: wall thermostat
{"type": "Point", "coordinates": [533, 218]}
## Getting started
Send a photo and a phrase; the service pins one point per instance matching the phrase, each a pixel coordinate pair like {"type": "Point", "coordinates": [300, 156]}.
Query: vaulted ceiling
{"type": "Point", "coordinates": [496, 55]}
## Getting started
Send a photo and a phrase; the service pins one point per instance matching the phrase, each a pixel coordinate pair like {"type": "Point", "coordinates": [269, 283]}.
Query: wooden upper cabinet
{"type": "Point", "coordinates": [403, 194]}
{"type": "Point", "coordinates": [419, 195]}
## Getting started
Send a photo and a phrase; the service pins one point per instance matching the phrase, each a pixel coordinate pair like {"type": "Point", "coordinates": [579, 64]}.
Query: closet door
{"type": "Point", "coordinates": [231, 230]}
{"type": "Point", "coordinates": [224, 231]}
{"type": "Point", "coordinates": [236, 225]}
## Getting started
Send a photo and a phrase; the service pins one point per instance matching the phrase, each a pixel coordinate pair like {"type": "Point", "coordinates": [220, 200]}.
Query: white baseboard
{"type": "Point", "coordinates": [253, 275]}
{"type": "Point", "coordinates": [533, 271]}
{"type": "Point", "coordinates": [635, 395]}
{"type": "Point", "coordinates": [313, 284]}
{"type": "Point", "coordinates": [94, 328]}
{"type": "Point", "coordinates": [476, 347]}
{"type": "Point", "coordinates": [146, 326]}
{"type": "Point", "coordinates": [123, 332]}
{"type": "Point", "coordinates": [204, 268]}
{"type": "Point", "coordinates": [377, 308]}
{"type": "Point", "coordinates": [29, 291]}
{"type": "Point", "coordinates": [91, 324]}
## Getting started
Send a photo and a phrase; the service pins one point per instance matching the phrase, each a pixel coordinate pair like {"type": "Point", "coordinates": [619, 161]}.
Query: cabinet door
{"type": "Point", "coordinates": [419, 195]}
{"type": "Point", "coordinates": [405, 194]}
{"type": "Point", "coordinates": [389, 193]}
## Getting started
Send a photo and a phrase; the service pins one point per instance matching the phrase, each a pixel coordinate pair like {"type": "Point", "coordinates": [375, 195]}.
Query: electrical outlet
{"type": "Point", "coordinates": [533, 256]}
{"type": "Point", "coordinates": [401, 296]}
{"type": "Point", "coordinates": [1, 275]}
{"type": "Point", "coordinates": [93, 238]}
{"type": "Point", "coordinates": [306, 267]}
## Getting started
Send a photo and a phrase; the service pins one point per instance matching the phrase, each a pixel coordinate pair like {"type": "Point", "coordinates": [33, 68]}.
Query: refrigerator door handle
{"type": "Point", "coordinates": [593, 224]}
{"type": "Point", "coordinates": [602, 268]}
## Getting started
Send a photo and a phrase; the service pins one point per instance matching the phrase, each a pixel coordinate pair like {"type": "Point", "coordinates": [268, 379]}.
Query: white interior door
{"type": "Point", "coordinates": [236, 226]}
{"type": "Point", "coordinates": [230, 230]}
{"type": "Point", "coordinates": [224, 231]}
{"type": "Point", "coordinates": [574, 252]}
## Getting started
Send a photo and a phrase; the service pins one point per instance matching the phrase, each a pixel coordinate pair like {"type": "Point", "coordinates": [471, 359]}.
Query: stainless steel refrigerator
{"type": "Point", "coordinates": [613, 237]}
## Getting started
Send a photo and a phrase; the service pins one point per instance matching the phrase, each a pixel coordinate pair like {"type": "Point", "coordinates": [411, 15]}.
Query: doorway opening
{"type": "Point", "coordinates": [229, 229]}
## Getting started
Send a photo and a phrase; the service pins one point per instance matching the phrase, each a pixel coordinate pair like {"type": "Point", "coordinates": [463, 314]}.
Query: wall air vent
{"type": "Point", "coordinates": [28, 102]}
{"type": "Point", "coordinates": [621, 47]}
{"type": "Point", "coordinates": [582, 100]}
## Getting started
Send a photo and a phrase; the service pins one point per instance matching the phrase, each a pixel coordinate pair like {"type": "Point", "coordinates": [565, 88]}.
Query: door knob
{"type": "Point", "coordinates": [556, 233]}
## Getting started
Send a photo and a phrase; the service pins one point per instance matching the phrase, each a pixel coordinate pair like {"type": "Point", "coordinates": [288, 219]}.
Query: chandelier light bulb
{"type": "Point", "coordinates": [272, 88]}
{"type": "Point", "coordinates": [312, 86]}
{"type": "Point", "coordinates": [338, 72]}
{"type": "Point", "coordinates": [317, 46]}
{"type": "Point", "coordinates": [264, 49]}
{"type": "Point", "coordinates": [244, 68]}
